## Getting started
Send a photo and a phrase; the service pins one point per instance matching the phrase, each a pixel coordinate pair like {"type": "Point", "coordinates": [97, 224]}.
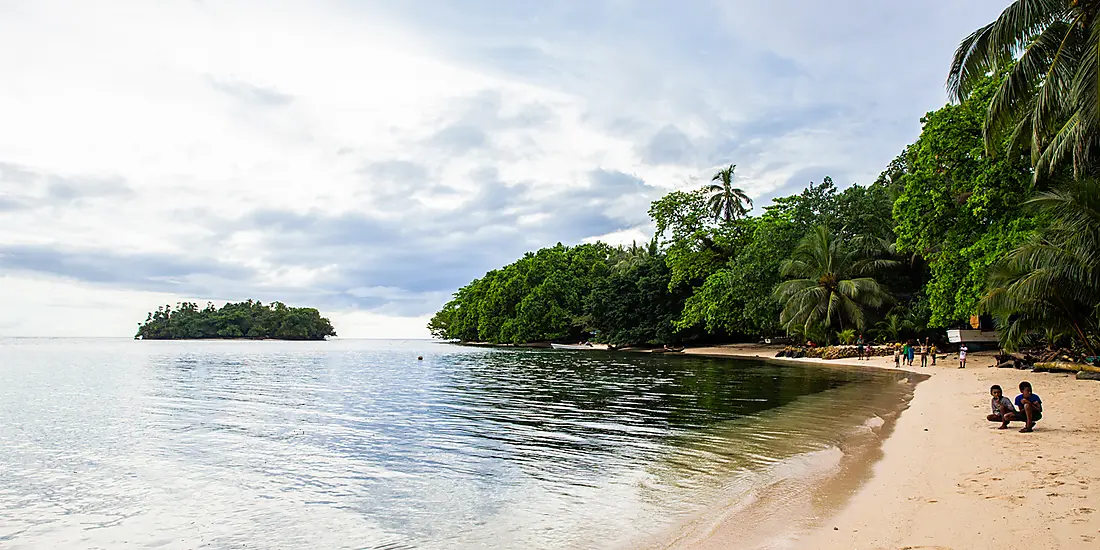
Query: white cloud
{"type": "Point", "coordinates": [626, 237]}
{"type": "Point", "coordinates": [310, 150]}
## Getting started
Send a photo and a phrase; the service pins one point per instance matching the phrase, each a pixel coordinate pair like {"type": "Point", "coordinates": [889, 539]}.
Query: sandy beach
{"type": "Point", "coordinates": [948, 479]}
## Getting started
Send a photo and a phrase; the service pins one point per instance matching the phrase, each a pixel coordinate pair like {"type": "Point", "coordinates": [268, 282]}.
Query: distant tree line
{"type": "Point", "coordinates": [249, 319]}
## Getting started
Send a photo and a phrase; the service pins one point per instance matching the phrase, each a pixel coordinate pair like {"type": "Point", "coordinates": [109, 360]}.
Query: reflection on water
{"type": "Point", "coordinates": [356, 444]}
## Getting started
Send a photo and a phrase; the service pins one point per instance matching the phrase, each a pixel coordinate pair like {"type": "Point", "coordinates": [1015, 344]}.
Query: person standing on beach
{"type": "Point", "coordinates": [905, 352]}
{"type": "Point", "coordinates": [962, 356]}
{"type": "Point", "coordinates": [897, 356]}
{"type": "Point", "coordinates": [933, 350]}
{"type": "Point", "coordinates": [912, 352]}
{"type": "Point", "coordinates": [859, 347]}
{"type": "Point", "coordinates": [924, 353]}
{"type": "Point", "coordinates": [1002, 407]}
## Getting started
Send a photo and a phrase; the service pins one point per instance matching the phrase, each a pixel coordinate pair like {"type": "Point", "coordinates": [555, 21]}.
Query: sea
{"type": "Point", "coordinates": [345, 443]}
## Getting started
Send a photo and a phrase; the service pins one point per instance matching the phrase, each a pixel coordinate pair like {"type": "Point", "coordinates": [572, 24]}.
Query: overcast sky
{"type": "Point", "coordinates": [370, 157]}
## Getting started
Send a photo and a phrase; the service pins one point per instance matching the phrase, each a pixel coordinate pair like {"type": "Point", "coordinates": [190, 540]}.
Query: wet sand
{"type": "Point", "coordinates": [948, 479]}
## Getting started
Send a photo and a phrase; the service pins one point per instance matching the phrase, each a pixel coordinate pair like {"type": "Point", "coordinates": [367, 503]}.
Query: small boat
{"type": "Point", "coordinates": [964, 336]}
{"type": "Point", "coordinates": [667, 349]}
{"type": "Point", "coordinates": [580, 346]}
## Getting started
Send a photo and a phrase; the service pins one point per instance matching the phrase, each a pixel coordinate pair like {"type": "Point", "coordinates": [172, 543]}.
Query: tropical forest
{"type": "Point", "coordinates": [250, 319]}
{"type": "Point", "coordinates": [991, 216]}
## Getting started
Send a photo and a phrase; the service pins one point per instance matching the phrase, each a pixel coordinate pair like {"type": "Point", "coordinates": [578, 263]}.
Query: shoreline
{"type": "Point", "coordinates": [946, 478]}
{"type": "Point", "coordinates": [806, 486]}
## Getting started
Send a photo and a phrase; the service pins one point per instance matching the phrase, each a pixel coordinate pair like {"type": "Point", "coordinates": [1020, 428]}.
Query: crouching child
{"type": "Point", "coordinates": [1029, 408]}
{"type": "Point", "coordinates": [1002, 407]}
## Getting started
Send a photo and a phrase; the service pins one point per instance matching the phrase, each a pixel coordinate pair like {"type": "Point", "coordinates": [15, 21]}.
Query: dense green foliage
{"type": "Point", "coordinates": [634, 304]}
{"type": "Point", "coordinates": [703, 276]}
{"type": "Point", "coordinates": [539, 297]}
{"type": "Point", "coordinates": [960, 208]}
{"type": "Point", "coordinates": [911, 252]}
{"type": "Point", "coordinates": [1046, 289]}
{"type": "Point", "coordinates": [241, 320]}
{"type": "Point", "coordinates": [950, 229]}
{"type": "Point", "coordinates": [1050, 286]}
{"type": "Point", "coordinates": [737, 297]}
{"type": "Point", "coordinates": [1050, 52]}
{"type": "Point", "coordinates": [829, 285]}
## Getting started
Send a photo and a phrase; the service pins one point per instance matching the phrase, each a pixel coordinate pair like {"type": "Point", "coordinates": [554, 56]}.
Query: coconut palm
{"type": "Point", "coordinates": [894, 326]}
{"type": "Point", "coordinates": [830, 284]}
{"type": "Point", "coordinates": [1049, 98]}
{"type": "Point", "coordinates": [1052, 281]}
{"type": "Point", "coordinates": [726, 202]}
{"type": "Point", "coordinates": [630, 257]}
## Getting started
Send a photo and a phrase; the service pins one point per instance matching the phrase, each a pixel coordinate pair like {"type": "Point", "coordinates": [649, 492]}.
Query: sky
{"type": "Point", "coordinates": [368, 158]}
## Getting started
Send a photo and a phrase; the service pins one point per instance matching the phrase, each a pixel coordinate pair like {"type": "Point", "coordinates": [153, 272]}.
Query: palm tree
{"type": "Point", "coordinates": [725, 201]}
{"type": "Point", "coordinates": [630, 257]}
{"type": "Point", "coordinates": [893, 326]}
{"type": "Point", "coordinates": [830, 284]}
{"type": "Point", "coordinates": [1049, 98]}
{"type": "Point", "coordinates": [1052, 281]}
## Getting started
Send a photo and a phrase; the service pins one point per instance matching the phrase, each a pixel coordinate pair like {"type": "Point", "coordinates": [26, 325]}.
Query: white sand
{"type": "Point", "coordinates": [949, 479]}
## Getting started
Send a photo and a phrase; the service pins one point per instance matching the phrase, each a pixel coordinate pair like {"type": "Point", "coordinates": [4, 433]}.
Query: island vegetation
{"type": "Point", "coordinates": [251, 320]}
{"type": "Point", "coordinates": [993, 213]}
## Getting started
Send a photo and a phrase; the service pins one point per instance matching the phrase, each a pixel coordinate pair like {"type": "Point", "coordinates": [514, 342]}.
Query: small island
{"type": "Point", "coordinates": [245, 320]}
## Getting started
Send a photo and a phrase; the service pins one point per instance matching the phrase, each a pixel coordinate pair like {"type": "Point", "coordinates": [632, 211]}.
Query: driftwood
{"type": "Point", "coordinates": [1063, 366]}
{"type": "Point", "coordinates": [1088, 375]}
{"type": "Point", "coordinates": [1060, 355]}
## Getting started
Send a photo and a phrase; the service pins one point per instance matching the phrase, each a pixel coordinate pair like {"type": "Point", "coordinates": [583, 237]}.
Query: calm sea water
{"type": "Point", "coordinates": [357, 444]}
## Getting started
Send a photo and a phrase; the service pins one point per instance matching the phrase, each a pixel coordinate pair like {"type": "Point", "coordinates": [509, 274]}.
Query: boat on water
{"type": "Point", "coordinates": [580, 346]}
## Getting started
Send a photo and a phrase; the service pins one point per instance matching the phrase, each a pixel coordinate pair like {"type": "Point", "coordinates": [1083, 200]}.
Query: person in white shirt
{"type": "Point", "coordinates": [962, 356]}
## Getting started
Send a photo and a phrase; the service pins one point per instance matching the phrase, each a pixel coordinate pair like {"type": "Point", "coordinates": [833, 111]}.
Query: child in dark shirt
{"type": "Point", "coordinates": [1029, 408]}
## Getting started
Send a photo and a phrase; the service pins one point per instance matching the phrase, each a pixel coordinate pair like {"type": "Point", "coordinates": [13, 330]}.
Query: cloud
{"type": "Point", "coordinates": [158, 272]}
{"type": "Point", "coordinates": [12, 205]}
{"type": "Point", "coordinates": [613, 183]}
{"type": "Point", "coordinates": [397, 171]}
{"type": "Point", "coordinates": [72, 190]}
{"type": "Point", "coordinates": [250, 93]}
{"type": "Point", "coordinates": [460, 138]}
{"type": "Point", "coordinates": [369, 158]}
{"type": "Point", "coordinates": [14, 174]}
{"type": "Point", "coordinates": [431, 256]}
{"type": "Point", "coordinates": [668, 146]}
{"type": "Point", "coordinates": [25, 188]}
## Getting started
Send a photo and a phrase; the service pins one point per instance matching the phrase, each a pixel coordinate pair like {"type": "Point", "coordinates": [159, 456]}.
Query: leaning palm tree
{"type": "Point", "coordinates": [1052, 281]}
{"type": "Point", "coordinates": [1049, 98]}
{"type": "Point", "coordinates": [725, 201]}
{"type": "Point", "coordinates": [829, 284]}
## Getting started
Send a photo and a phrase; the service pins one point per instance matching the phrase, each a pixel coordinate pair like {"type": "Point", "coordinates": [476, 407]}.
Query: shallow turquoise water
{"type": "Point", "coordinates": [357, 444]}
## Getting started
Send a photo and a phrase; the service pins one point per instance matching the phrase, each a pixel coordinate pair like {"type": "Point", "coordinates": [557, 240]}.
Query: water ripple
{"type": "Point", "coordinates": [356, 444]}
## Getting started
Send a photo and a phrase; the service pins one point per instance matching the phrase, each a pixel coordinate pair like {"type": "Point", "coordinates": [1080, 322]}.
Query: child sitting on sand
{"type": "Point", "coordinates": [1002, 407]}
{"type": "Point", "coordinates": [1030, 407]}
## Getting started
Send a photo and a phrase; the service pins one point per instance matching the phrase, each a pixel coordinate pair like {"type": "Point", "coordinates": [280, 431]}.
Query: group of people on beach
{"type": "Point", "coordinates": [905, 353]}
{"type": "Point", "coordinates": [1028, 408]}
{"type": "Point", "coordinates": [867, 351]}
